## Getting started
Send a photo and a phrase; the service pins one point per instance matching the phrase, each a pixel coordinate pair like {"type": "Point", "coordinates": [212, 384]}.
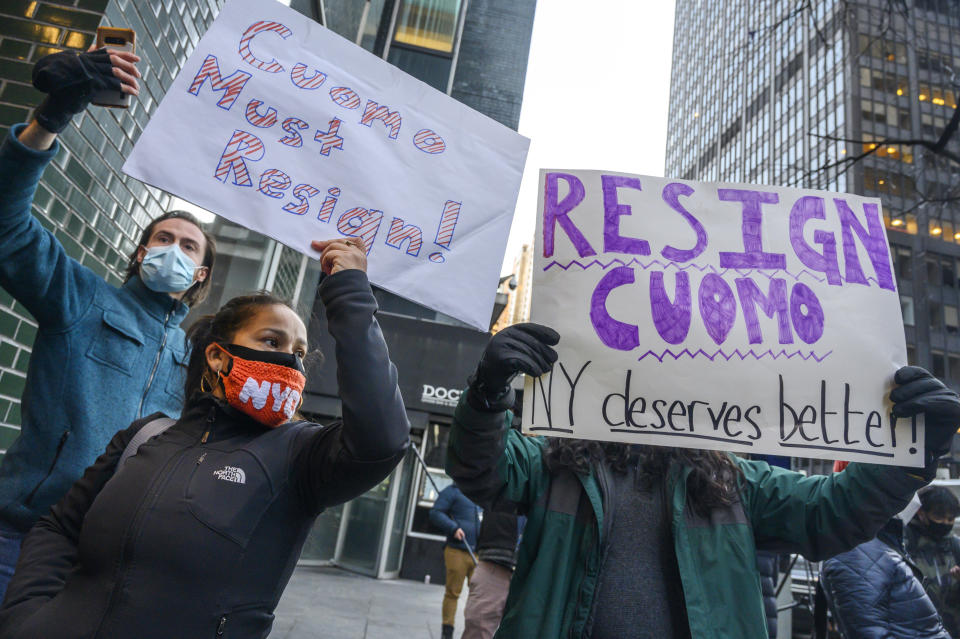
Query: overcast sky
{"type": "Point", "coordinates": [596, 95]}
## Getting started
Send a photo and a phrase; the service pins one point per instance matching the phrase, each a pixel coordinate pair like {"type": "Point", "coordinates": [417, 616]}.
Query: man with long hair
{"type": "Point", "coordinates": [633, 541]}
{"type": "Point", "coordinates": [103, 354]}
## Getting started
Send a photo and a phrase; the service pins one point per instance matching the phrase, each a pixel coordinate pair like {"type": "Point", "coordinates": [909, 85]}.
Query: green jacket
{"type": "Point", "coordinates": [551, 594]}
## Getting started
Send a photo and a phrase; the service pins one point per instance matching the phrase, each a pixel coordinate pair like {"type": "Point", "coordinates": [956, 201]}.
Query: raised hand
{"type": "Point", "coordinates": [340, 254]}
{"type": "Point", "coordinates": [70, 80]}
{"type": "Point", "coordinates": [921, 392]}
{"type": "Point", "coordinates": [521, 348]}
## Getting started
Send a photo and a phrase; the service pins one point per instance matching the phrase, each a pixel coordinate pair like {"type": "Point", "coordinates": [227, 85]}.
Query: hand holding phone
{"type": "Point", "coordinates": [114, 39]}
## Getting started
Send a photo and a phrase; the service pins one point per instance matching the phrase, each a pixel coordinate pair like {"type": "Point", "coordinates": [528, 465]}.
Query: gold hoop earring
{"type": "Point", "coordinates": [203, 378]}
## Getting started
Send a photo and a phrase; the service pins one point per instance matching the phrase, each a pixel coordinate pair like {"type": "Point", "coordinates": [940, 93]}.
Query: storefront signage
{"type": "Point", "coordinates": [723, 316]}
{"type": "Point", "coordinates": [440, 395]}
{"type": "Point", "coordinates": [280, 125]}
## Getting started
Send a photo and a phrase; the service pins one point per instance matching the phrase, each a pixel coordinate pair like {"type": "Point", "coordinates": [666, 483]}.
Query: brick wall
{"type": "Point", "coordinates": [95, 210]}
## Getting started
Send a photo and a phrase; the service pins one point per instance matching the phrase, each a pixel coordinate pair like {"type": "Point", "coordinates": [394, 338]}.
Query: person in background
{"type": "Point", "coordinates": [874, 590]}
{"type": "Point", "coordinates": [497, 554]}
{"type": "Point", "coordinates": [196, 535]}
{"type": "Point", "coordinates": [459, 519]}
{"type": "Point", "coordinates": [103, 354]}
{"type": "Point", "coordinates": [629, 541]}
{"type": "Point", "coordinates": [934, 548]}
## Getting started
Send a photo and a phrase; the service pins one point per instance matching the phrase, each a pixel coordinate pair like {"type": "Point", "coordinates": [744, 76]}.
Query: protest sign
{"type": "Point", "coordinates": [281, 125]}
{"type": "Point", "coordinates": [731, 317]}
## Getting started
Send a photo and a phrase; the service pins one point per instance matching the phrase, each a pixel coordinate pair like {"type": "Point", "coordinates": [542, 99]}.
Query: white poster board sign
{"type": "Point", "coordinates": [722, 316]}
{"type": "Point", "coordinates": [284, 127]}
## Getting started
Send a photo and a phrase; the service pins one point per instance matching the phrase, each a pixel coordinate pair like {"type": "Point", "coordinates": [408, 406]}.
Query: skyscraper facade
{"type": "Point", "coordinates": [841, 95]}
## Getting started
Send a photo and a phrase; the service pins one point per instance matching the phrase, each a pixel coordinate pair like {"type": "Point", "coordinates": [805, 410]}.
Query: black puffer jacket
{"type": "Point", "coordinates": [874, 592]}
{"type": "Point", "coordinates": [767, 567]}
{"type": "Point", "coordinates": [197, 534]}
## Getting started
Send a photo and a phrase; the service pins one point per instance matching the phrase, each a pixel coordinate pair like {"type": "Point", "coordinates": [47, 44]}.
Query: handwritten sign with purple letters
{"type": "Point", "coordinates": [724, 316]}
{"type": "Point", "coordinates": [280, 125]}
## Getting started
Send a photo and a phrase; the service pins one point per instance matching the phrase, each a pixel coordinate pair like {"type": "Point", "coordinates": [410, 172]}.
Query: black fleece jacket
{"type": "Point", "coordinates": [197, 535]}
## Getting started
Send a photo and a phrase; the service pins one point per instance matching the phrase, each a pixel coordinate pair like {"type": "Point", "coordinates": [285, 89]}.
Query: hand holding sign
{"type": "Point", "coordinates": [340, 255]}
{"type": "Point", "coordinates": [921, 392]}
{"type": "Point", "coordinates": [521, 348]}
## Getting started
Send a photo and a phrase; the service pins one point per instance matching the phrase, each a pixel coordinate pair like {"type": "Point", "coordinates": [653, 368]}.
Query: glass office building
{"type": "Point", "coordinates": [474, 51]}
{"type": "Point", "coordinates": [792, 93]}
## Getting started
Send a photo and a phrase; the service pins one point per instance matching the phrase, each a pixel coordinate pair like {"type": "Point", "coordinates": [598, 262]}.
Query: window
{"type": "Point", "coordinates": [428, 24]}
{"type": "Point", "coordinates": [424, 40]}
{"type": "Point", "coordinates": [903, 256]}
{"type": "Point", "coordinates": [939, 368]}
{"type": "Point", "coordinates": [953, 367]}
{"type": "Point", "coordinates": [933, 270]}
{"type": "Point", "coordinates": [948, 272]}
{"type": "Point", "coordinates": [951, 321]}
{"type": "Point", "coordinates": [936, 315]}
{"type": "Point", "coordinates": [906, 309]}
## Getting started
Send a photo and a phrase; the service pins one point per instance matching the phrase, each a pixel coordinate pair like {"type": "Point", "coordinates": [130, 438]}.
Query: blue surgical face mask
{"type": "Point", "coordinates": [166, 269]}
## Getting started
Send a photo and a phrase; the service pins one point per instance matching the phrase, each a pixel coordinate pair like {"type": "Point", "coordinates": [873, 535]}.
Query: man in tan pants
{"type": "Point", "coordinates": [497, 551]}
{"type": "Point", "coordinates": [459, 519]}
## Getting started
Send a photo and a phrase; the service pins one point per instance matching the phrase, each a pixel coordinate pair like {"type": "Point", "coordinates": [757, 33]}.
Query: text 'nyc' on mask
{"type": "Point", "coordinates": [266, 385]}
{"type": "Point", "coordinates": [167, 269]}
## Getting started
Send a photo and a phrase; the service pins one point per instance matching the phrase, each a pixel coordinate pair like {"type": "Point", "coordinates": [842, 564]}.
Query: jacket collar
{"type": "Point", "coordinates": [156, 304]}
{"type": "Point", "coordinates": [204, 412]}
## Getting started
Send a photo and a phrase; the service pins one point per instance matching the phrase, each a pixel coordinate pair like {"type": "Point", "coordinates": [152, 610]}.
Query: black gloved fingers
{"type": "Point", "coordinates": [531, 344]}
{"type": "Point", "coordinates": [543, 334]}
{"type": "Point", "coordinates": [526, 364]}
{"type": "Point", "coordinates": [941, 405]}
{"type": "Point", "coordinates": [532, 364]}
{"type": "Point", "coordinates": [908, 374]}
{"type": "Point", "coordinates": [104, 74]}
{"type": "Point", "coordinates": [530, 355]}
{"type": "Point", "coordinates": [915, 388]}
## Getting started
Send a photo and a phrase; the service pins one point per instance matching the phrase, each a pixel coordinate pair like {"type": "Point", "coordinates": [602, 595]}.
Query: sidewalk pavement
{"type": "Point", "coordinates": [330, 603]}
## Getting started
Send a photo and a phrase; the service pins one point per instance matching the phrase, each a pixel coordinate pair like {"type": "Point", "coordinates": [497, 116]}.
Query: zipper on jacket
{"type": "Point", "coordinates": [53, 464]}
{"type": "Point", "coordinates": [211, 417]}
{"type": "Point", "coordinates": [157, 484]}
{"type": "Point", "coordinates": [156, 363]}
{"type": "Point", "coordinates": [221, 625]}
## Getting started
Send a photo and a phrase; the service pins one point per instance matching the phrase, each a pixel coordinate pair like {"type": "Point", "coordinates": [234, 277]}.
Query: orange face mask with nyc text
{"type": "Point", "coordinates": [266, 385]}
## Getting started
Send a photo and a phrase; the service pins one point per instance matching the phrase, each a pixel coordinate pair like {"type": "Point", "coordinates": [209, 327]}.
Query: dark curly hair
{"type": "Point", "coordinates": [713, 481]}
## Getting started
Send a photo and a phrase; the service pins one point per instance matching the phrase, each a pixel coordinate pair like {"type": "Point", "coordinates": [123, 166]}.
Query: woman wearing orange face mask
{"type": "Point", "coordinates": [196, 534]}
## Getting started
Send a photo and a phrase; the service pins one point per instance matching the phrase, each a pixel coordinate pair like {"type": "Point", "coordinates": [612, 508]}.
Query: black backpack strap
{"type": "Point", "coordinates": [149, 430]}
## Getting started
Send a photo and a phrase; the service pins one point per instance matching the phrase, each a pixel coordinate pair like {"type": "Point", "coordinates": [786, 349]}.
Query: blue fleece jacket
{"type": "Point", "coordinates": [453, 510]}
{"type": "Point", "coordinates": [103, 355]}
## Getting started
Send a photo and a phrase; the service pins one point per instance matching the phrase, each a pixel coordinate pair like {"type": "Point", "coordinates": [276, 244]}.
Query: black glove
{"type": "Point", "coordinates": [70, 79]}
{"type": "Point", "coordinates": [521, 348]}
{"type": "Point", "coordinates": [921, 392]}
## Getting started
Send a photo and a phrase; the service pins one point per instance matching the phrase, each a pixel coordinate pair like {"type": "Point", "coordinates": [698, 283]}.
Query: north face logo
{"type": "Point", "coordinates": [231, 473]}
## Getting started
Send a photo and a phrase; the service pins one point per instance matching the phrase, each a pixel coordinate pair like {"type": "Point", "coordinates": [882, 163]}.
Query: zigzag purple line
{"type": "Point", "coordinates": [666, 265]}
{"type": "Point", "coordinates": [736, 353]}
